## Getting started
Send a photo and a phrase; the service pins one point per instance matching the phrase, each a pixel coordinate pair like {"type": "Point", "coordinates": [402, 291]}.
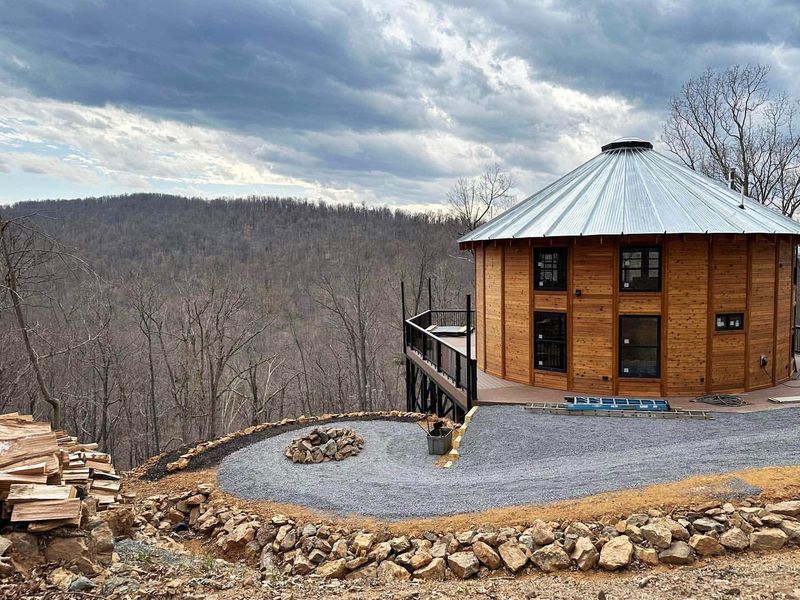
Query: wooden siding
{"type": "Point", "coordinates": [517, 299]}
{"type": "Point", "coordinates": [783, 311]}
{"type": "Point", "coordinates": [591, 323]}
{"type": "Point", "coordinates": [761, 310]}
{"type": "Point", "coordinates": [493, 281]}
{"type": "Point", "coordinates": [639, 303]}
{"type": "Point", "coordinates": [687, 314]}
{"type": "Point", "coordinates": [728, 281]}
{"type": "Point", "coordinates": [480, 311]}
{"type": "Point", "coordinates": [556, 301]}
{"type": "Point", "coordinates": [702, 277]}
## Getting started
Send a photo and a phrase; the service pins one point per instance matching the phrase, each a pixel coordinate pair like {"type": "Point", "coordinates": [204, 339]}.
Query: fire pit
{"type": "Point", "coordinates": [324, 445]}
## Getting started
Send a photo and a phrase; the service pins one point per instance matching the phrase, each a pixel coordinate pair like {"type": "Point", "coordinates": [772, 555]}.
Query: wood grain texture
{"type": "Point", "coordinates": [783, 311]}
{"type": "Point", "coordinates": [762, 309]}
{"type": "Point", "coordinates": [493, 281]}
{"type": "Point", "coordinates": [550, 301]}
{"type": "Point", "coordinates": [480, 310]}
{"type": "Point", "coordinates": [592, 327]}
{"type": "Point", "coordinates": [517, 310]}
{"type": "Point", "coordinates": [729, 284]}
{"type": "Point", "coordinates": [686, 321]}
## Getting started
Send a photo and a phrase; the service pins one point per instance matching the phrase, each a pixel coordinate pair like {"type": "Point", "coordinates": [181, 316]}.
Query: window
{"type": "Point", "coordinates": [640, 269]}
{"type": "Point", "coordinates": [639, 346]}
{"type": "Point", "coordinates": [730, 322]}
{"type": "Point", "coordinates": [550, 271]}
{"type": "Point", "coordinates": [550, 336]}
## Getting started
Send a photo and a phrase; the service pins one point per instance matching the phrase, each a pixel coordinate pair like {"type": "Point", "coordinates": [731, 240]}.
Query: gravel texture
{"type": "Point", "coordinates": [512, 457]}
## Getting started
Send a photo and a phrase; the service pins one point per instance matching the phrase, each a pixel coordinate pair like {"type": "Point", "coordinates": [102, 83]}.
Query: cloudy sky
{"type": "Point", "coordinates": [383, 102]}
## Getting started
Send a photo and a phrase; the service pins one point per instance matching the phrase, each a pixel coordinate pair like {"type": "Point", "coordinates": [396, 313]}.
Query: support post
{"type": "Point", "coordinates": [470, 374]}
{"type": "Point", "coordinates": [430, 295]}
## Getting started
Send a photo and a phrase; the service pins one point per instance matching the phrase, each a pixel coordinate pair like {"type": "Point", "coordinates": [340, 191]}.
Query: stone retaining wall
{"type": "Point", "coordinates": [325, 549]}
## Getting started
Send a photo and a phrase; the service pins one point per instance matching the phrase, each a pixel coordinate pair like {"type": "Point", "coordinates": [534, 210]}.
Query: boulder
{"type": "Point", "coordinates": [678, 553]}
{"type": "Point", "coordinates": [417, 560]}
{"type": "Point", "coordinates": [120, 520]}
{"type": "Point", "coordinates": [463, 564]}
{"type": "Point", "coordinates": [390, 571]}
{"type": "Point", "coordinates": [578, 529]}
{"type": "Point", "coordinates": [333, 569]}
{"type": "Point", "coordinates": [513, 556]}
{"type": "Point", "coordinates": [616, 553]}
{"type": "Point", "coordinates": [434, 570]}
{"type": "Point", "coordinates": [301, 565]}
{"type": "Point", "coordinates": [790, 508]}
{"type": "Point", "coordinates": [400, 545]}
{"type": "Point", "coordinates": [380, 552]}
{"type": "Point", "coordinates": [679, 531]}
{"type": "Point", "coordinates": [72, 550]}
{"type": "Point", "coordinates": [791, 529]}
{"type": "Point", "coordinates": [770, 538]}
{"type": "Point", "coordinates": [487, 555]}
{"type": "Point", "coordinates": [541, 533]}
{"type": "Point", "coordinates": [704, 525]}
{"type": "Point", "coordinates": [551, 558]}
{"type": "Point", "coordinates": [362, 543]}
{"type": "Point", "coordinates": [734, 539]}
{"type": "Point", "coordinates": [102, 543]}
{"type": "Point", "coordinates": [705, 545]}
{"type": "Point", "coordinates": [658, 534]}
{"type": "Point", "coordinates": [647, 556]}
{"type": "Point", "coordinates": [585, 554]}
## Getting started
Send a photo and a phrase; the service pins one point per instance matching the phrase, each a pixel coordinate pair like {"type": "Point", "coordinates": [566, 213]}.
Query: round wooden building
{"type": "Point", "coordinates": [636, 276]}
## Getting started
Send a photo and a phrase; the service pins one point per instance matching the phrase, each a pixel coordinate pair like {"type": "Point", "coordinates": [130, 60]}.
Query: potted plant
{"type": "Point", "coordinates": [440, 438]}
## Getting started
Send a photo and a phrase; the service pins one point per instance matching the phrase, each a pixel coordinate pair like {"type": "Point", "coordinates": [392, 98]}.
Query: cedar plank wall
{"type": "Point", "coordinates": [493, 269]}
{"type": "Point", "coordinates": [687, 314]}
{"type": "Point", "coordinates": [591, 323]}
{"type": "Point", "coordinates": [480, 324]}
{"type": "Point", "coordinates": [762, 311]}
{"type": "Point", "coordinates": [783, 304]}
{"type": "Point", "coordinates": [517, 298]}
{"type": "Point", "coordinates": [729, 295]}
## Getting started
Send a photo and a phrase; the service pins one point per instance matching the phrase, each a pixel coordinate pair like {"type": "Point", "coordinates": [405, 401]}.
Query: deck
{"type": "Point", "coordinates": [493, 390]}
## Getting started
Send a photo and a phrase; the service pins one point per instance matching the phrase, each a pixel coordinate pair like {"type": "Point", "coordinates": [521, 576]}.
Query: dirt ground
{"type": "Point", "coordinates": [775, 483]}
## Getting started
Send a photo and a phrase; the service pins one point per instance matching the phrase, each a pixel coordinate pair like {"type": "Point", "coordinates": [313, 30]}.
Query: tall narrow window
{"type": "Point", "coordinates": [550, 271]}
{"type": "Point", "coordinates": [639, 346]}
{"type": "Point", "coordinates": [640, 269]}
{"type": "Point", "coordinates": [550, 337]}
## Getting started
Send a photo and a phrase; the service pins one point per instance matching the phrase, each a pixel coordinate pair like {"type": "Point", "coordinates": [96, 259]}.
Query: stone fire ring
{"type": "Point", "coordinates": [324, 444]}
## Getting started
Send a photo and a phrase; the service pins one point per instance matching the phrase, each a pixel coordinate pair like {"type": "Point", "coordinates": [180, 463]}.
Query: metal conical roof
{"type": "Point", "coordinates": [629, 188]}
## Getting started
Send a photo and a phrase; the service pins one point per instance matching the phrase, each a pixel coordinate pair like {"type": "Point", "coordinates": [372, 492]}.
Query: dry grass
{"type": "Point", "coordinates": [776, 483]}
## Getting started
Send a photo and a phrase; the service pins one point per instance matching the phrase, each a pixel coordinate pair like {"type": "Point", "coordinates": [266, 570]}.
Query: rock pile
{"type": "Point", "coordinates": [331, 550]}
{"type": "Point", "coordinates": [324, 445]}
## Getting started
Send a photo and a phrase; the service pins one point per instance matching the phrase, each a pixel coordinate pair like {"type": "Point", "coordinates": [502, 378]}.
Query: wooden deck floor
{"type": "Point", "coordinates": [493, 390]}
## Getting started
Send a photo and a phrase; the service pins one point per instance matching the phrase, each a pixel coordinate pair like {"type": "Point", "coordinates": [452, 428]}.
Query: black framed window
{"type": "Point", "coordinates": [640, 269]}
{"type": "Point", "coordinates": [730, 322]}
{"type": "Point", "coordinates": [550, 341]}
{"type": "Point", "coordinates": [550, 272]}
{"type": "Point", "coordinates": [639, 341]}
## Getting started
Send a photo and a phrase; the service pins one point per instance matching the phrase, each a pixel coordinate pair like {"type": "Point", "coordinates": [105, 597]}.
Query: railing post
{"type": "Point", "coordinates": [438, 356]}
{"type": "Point", "coordinates": [470, 379]}
{"type": "Point", "coordinates": [430, 295]}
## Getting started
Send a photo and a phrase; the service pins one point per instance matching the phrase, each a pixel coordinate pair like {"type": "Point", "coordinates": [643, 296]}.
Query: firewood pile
{"type": "Point", "coordinates": [46, 475]}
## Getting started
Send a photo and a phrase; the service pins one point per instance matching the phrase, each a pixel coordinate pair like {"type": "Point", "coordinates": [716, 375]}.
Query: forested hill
{"type": "Point", "coordinates": [195, 317]}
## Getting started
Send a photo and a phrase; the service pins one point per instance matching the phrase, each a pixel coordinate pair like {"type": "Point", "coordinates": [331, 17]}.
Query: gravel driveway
{"type": "Point", "coordinates": [511, 457]}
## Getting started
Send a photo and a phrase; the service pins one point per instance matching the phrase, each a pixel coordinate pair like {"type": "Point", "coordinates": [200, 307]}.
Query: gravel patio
{"type": "Point", "coordinates": [510, 457]}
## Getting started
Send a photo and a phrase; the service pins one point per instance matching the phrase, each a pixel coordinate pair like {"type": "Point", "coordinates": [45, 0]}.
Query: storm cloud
{"type": "Point", "coordinates": [378, 102]}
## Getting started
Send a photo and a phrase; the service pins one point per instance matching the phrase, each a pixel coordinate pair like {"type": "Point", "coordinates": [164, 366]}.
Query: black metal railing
{"type": "Point", "coordinates": [460, 367]}
{"type": "Point", "coordinates": [796, 339]}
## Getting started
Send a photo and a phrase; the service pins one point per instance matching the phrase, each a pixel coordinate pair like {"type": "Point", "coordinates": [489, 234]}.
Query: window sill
{"type": "Point", "coordinates": [550, 371]}
{"type": "Point", "coordinates": [641, 379]}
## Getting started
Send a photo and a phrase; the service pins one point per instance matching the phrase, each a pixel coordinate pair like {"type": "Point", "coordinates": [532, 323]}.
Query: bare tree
{"type": "Point", "coordinates": [474, 201]}
{"type": "Point", "coordinates": [31, 264]}
{"type": "Point", "coordinates": [730, 125]}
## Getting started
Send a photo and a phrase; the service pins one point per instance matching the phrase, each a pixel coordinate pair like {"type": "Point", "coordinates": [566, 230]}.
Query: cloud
{"type": "Point", "coordinates": [382, 102]}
